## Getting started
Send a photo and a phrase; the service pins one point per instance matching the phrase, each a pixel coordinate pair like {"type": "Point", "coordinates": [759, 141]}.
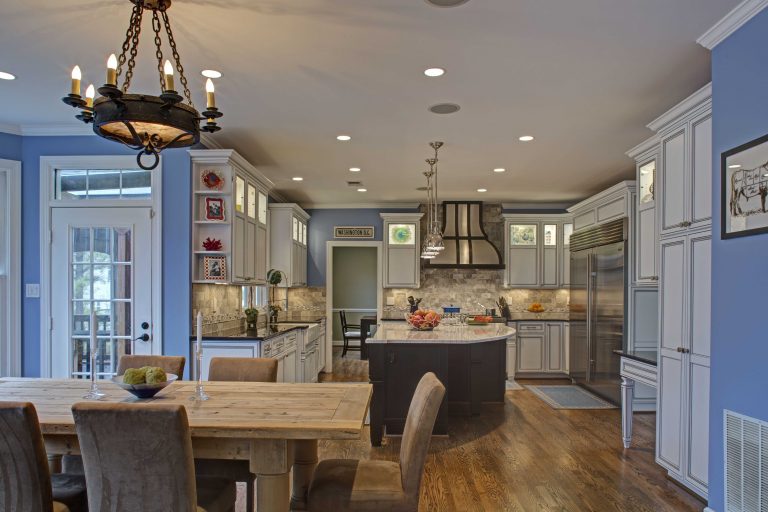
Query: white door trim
{"type": "Point", "coordinates": [330, 245]}
{"type": "Point", "coordinates": [48, 166]}
{"type": "Point", "coordinates": [12, 350]}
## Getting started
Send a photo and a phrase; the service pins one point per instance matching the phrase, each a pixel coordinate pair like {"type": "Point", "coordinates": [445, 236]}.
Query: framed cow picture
{"type": "Point", "coordinates": [744, 191]}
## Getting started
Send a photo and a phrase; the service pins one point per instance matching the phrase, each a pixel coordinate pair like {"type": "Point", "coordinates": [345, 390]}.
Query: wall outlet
{"type": "Point", "coordinates": [390, 301]}
{"type": "Point", "coordinates": [32, 291]}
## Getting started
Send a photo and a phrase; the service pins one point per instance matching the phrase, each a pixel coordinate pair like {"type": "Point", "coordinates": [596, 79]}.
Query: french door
{"type": "Point", "coordinates": [101, 260]}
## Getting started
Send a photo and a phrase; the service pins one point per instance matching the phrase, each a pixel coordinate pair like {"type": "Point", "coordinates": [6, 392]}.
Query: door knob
{"type": "Point", "coordinates": [145, 325]}
{"type": "Point", "coordinates": [143, 337]}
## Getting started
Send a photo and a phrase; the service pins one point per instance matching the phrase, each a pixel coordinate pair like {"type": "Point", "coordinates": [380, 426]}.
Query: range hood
{"type": "Point", "coordinates": [466, 244]}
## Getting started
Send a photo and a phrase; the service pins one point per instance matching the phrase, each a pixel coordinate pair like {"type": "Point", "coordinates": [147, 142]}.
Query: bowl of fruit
{"type": "Point", "coordinates": [480, 320]}
{"type": "Point", "coordinates": [536, 308]}
{"type": "Point", "coordinates": [423, 319]}
{"type": "Point", "coordinates": [144, 382]}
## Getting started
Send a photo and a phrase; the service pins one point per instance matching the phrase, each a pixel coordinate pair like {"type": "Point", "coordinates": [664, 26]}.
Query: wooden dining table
{"type": "Point", "coordinates": [274, 426]}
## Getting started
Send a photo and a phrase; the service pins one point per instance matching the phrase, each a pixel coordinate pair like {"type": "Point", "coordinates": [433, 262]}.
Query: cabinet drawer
{"type": "Point", "coordinates": [535, 327]}
{"type": "Point", "coordinates": [638, 371]}
{"type": "Point", "coordinates": [266, 349]}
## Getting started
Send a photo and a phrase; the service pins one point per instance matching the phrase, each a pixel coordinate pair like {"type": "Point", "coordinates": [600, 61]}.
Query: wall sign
{"type": "Point", "coordinates": [353, 231]}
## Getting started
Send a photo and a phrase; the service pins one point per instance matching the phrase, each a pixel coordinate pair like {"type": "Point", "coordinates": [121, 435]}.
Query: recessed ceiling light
{"type": "Point", "coordinates": [343, 137]}
{"type": "Point", "coordinates": [433, 72]}
{"type": "Point", "coordinates": [765, 175]}
{"type": "Point", "coordinates": [211, 73]}
{"type": "Point", "coordinates": [7, 76]}
{"type": "Point", "coordinates": [734, 166]}
{"type": "Point", "coordinates": [526, 138]}
{"type": "Point", "coordinates": [444, 108]}
{"type": "Point", "coordinates": [447, 3]}
{"type": "Point", "coordinates": [482, 190]}
{"type": "Point", "coordinates": [362, 190]}
{"type": "Point", "coordinates": [499, 169]}
{"type": "Point", "coordinates": [354, 169]}
{"type": "Point", "coordinates": [298, 178]}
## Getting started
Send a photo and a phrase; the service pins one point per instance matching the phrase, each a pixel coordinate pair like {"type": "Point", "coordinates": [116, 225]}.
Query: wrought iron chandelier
{"type": "Point", "coordinates": [433, 241]}
{"type": "Point", "coordinates": [144, 122]}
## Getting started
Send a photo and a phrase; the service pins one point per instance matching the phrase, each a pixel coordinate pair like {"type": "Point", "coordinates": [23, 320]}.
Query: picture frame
{"type": "Point", "coordinates": [214, 208]}
{"type": "Point", "coordinates": [744, 190]}
{"type": "Point", "coordinates": [212, 179]}
{"type": "Point", "coordinates": [215, 268]}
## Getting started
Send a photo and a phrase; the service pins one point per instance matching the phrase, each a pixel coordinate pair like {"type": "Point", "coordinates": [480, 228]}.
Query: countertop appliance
{"type": "Point", "coordinates": [598, 306]}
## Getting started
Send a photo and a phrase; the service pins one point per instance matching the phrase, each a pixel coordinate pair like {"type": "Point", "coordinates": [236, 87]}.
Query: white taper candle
{"type": "Point", "coordinates": [93, 332]}
{"type": "Point", "coordinates": [199, 346]}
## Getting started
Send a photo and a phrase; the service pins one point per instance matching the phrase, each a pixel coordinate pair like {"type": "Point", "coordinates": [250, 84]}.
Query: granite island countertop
{"type": "Point", "coordinates": [390, 332]}
{"type": "Point", "coordinates": [525, 316]}
{"type": "Point", "coordinates": [263, 333]}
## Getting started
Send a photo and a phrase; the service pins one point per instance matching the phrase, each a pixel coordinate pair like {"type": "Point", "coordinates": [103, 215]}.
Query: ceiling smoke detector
{"type": "Point", "coordinates": [446, 3]}
{"type": "Point", "coordinates": [444, 108]}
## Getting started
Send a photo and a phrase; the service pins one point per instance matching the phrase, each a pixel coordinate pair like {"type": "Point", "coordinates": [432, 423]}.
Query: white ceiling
{"type": "Point", "coordinates": [583, 76]}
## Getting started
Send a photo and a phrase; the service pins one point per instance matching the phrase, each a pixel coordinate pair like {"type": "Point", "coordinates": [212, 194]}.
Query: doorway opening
{"type": "Point", "coordinates": [354, 288]}
{"type": "Point", "coordinates": [10, 268]}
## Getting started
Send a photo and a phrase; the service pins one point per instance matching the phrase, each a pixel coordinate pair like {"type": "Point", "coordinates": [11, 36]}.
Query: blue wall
{"type": "Point", "coordinates": [739, 274]}
{"type": "Point", "coordinates": [10, 146]}
{"type": "Point", "coordinates": [176, 237]}
{"type": "Point", "coordinates": [321, 231]}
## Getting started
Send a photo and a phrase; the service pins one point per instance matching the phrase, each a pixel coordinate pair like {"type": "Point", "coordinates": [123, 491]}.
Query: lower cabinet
{"type": "Point", "coordinates": [541, 347]}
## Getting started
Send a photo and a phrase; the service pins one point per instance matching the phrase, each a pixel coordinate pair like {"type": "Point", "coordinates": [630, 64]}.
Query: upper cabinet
{"type": "Point", "coordinates": [611, 204]}
{"type": "Point", "coordinates": [230, 231]}
{"type": "Point", "coordinates": [401, 250]}
{"type": "Point", "coordinates": [535, 250]}
{"type": "Point", "coordinates": [646, 157]}
{"type": "Point", "coordinates": [288, 242]}
{"type": "Point", "coordinates": [684, 173]}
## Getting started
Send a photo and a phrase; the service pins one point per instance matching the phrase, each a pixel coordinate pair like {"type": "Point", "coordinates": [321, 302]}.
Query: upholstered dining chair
{"type": "Point", "coordinates": [348, 332]}
{"type": "Point", "coordinates": [171, 364]}
{"type": "Point", "coordinates": [237, 369]}
{"type": "Point", "coordinates": [26, 485]}
{"type": "Point", "coordinates": [139, 457]}
{"type": "Point", "coordinates": [377, 485]}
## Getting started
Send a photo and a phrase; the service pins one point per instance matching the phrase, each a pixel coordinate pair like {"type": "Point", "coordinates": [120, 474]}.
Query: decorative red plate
{"type": "Point", "coordinates": [213, 180]}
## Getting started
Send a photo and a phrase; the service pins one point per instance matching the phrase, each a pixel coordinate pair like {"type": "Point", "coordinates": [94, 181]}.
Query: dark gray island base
{"type": "Point", "coordinates": [469, 360]}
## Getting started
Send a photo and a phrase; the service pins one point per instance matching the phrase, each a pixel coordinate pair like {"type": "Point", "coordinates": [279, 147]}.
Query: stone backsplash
{"type": "Point", "coordinates": [222, 309]}
{"type": "Point", "coordinates": [306, 299]}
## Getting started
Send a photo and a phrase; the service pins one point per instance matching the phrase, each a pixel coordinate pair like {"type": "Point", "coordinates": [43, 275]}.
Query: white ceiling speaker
{"type": "Point", "coordinates": [444, 108]}
{"type": "Point", "coordinates": [446, 3]}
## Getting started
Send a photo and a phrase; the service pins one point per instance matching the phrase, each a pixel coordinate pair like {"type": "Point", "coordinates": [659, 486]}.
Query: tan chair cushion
{"type": "Point", "coordinates": [243, 369]}
{"type": "Point", "coordinates": [171, 364]}
{"type": "Point", "coordinates": [361, 486]}
{"type": "Point", "coordinates": [59, 507]}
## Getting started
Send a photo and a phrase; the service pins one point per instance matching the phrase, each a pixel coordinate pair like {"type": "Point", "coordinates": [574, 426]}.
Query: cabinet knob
{"type": "Point", "coordinates": [654, 278]}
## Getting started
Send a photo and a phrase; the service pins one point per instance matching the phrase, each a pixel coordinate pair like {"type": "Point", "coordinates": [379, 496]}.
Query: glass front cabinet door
{"type": "Point", "coordinates": [402, 268]}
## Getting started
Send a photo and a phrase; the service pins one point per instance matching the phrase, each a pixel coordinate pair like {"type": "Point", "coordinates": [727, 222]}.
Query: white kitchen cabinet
{"type": "Point", "coordinates": [222, 348]}
{"type": "Point", "coordinates": [684, 358]}
{"type": "Point", "coordinates": [288, 224]}
{"type": "Point", "coordinates": [535, 250]}
{"type": "Point", "coordinates": [685, 171]}
{"type": "Point", "coordinates": [241, 197]}
{"type": "Point", "coordinates": [646, 245]}
{"type": "Point", "coordinates": [610, 204]}
{"type": "Point", "coordinates": [401, 265]}
{"type": "Point", "coordinates": [541, 347]}
{"type": "Point", "coordinates": [565, 257]}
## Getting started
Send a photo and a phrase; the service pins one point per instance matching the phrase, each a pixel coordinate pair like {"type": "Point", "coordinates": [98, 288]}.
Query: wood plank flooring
{"type": "Point", "coordinates": [526, 456]}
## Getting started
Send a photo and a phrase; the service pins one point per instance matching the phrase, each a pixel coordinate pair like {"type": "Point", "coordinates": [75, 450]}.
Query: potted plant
{"type": "Point", "coordinates": [274, 278]}
{"type": "Point", "coordinates": [251, 321]}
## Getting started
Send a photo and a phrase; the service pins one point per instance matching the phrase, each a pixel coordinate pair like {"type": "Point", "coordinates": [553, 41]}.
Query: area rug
{"type": "Point", "coordinates": [569, 397]}
{"type": "Point", "coordinates": [513, 386]}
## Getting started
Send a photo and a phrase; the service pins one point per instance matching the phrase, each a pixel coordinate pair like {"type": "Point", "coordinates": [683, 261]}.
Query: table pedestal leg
{"type": "Point", "coordinates": [54, 463]}
{"type": "Point", "coordinates": [304, 464]}
{"type": "Point", "coordinates": [271, 461]}
{"type": "Point", "coordinates": [627, 396]}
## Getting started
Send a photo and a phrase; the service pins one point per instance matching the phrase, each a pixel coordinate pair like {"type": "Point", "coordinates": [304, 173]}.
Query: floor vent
{"type": "Point", "coordinates": [746, 464]}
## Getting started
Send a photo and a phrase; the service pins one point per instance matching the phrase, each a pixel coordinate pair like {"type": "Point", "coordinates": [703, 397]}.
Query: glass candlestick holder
{"type": "Point", "coordinates": [94, 393]}
{"type": "Point", "coordinates": [200, 393]}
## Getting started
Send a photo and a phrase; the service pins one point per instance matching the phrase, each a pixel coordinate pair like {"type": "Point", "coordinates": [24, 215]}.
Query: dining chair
{"type": "Point", "coordinates": [348, 332]}
{"type": "Point", "coordinates": [139, 457]}
{"type": "Point", "coordinates": [237, 369]}
{"type": "Point", "coordinates": [171, 364]}
{"type": "Point", "coordinates": [26, 484]}
{"type": "Point", "coordinates": [378, 485]}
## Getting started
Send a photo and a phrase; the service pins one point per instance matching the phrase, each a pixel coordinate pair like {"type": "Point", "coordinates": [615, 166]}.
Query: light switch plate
{"type": "Point", "coordinates": [33, 291]}
{"type": "Point", "coordinates": [390, 301]}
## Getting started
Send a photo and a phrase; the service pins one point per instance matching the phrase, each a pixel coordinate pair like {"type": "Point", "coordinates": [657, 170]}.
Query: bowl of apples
{"type": "Point", "coordinates": [423, 319]}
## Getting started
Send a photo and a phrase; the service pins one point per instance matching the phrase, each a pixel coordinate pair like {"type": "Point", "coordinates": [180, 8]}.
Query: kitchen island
{"type": "Point", "coordinates": [470, 360]}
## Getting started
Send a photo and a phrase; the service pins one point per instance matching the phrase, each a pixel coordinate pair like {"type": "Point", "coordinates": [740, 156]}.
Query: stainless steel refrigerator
{"type": "Point", "coordinates": [598, 307]}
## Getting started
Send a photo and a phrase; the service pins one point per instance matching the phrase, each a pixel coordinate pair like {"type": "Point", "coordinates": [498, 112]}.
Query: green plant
{"type": "Point", "coordinates": [275, 277]}
{"type": "Point", "coordinates": [252, 313]}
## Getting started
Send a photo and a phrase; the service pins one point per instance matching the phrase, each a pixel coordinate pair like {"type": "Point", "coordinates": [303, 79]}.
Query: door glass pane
{"type": "Point", "coordinates": [304, 235]}
{"type": "Point", "coordinates": [647, 176]}
{"type": "Point", "coordinates": [104, 184]}
{"type": "Point", "coordinates": [522, 234]}
{"type": "Point", "coordinates": [71, 184]}
{"type": "Point", "coordinates": [239, 194]}
{"type": "Point", "coordinates": [295, 228]}
{"type": "Point", "coordinates": [402, 234]}
{"type": "Point", "coordinates": [97, 284]}
{"type": "Point", "coordinates": [550, 235]}
{"type": "Point", "coordinates": [262, 208]}
{"type": "Point", "coordinates": [136, 184]}
{"type": "Point", "coordinates": [567, 232]}
{"type": "Point", "coordinates": [251, 201]}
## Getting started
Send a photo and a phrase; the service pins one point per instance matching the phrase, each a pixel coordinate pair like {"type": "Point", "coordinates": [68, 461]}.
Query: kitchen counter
{"type": "Point", "coordinates": [443, 334]}
{"type": "Point", "coordinates": [525, 316]}
{"type": "Point", "coordinates": [261, 335]}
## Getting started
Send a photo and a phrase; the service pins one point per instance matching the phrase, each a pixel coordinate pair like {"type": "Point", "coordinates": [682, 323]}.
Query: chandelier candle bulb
{"type": "Point", "coordinates": [209, 90]}
{"type": "Point", "coordinates": [76, 77]}
{"type": "Point", "coordinates": [90, 93]}
{"type": "Point", "coordinates": [112, 70]}
{"type": "Point", "coordinates": [168, 72]}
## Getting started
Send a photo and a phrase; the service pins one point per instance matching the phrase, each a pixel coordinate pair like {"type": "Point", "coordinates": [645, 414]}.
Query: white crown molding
{"type": "Point", "coordinates": [700, 97]}
{"type": "Point", "coordinates": [55, 130]}
{"type": "Point", "coordinates": [732, 21]}
{"type": "Point", "coordinates": [644, 147]}
{"type": "Point", "coordinates": [360, 206]}
{"type": "Point", "coordinates": [535, 206]}
{"type": "Point", "coordinates": [11, 129]}
{"type": "Point", "coordinates": [209, 142]}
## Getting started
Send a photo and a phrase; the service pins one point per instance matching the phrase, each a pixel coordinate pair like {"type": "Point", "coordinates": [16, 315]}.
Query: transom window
{"type": "Point", "coordinates": [93, 184]}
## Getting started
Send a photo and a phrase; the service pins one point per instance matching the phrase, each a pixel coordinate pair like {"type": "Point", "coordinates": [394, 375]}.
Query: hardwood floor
{"type": "Point", "coordinates": [526, 456]}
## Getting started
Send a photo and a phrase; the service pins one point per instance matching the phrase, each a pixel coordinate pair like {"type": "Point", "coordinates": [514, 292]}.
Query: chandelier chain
{"type": "Point", "coordinates": [158, 48]}
{"type": "Point", "coordinates": [127, 42]}
{"type": "Point", "coordinates": [177, 58]}
{"type": "Point", "coordinates": [133, 51]}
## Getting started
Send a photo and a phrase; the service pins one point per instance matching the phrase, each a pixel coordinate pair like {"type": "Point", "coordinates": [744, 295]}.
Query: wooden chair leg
{"type": "Point", "coordinates": [346, 346]}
